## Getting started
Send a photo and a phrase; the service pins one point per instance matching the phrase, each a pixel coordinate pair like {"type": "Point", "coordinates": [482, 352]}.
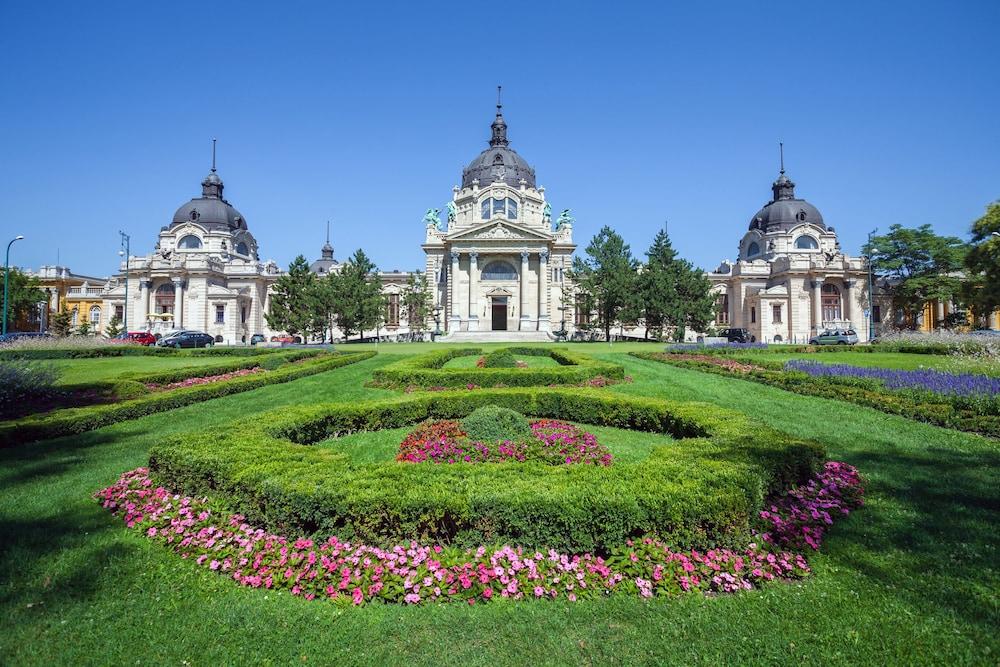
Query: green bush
{"type": "Point", "coordinates": [426, 370]}
{"type": "Point", "coordinates": [700, 492]}
{"type": "Point", "coordinates": [499, 359]}
{"type": "Point", "coordinates": [493, 423]}
{"type": "Point", "coordinates": [81, 420]}
{"type": "Point", "coordinates": [130, 351]}
{"type": "Point", "coordinates": [124, 390]}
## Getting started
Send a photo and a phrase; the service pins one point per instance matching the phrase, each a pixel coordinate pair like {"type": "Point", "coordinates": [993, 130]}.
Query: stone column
{"type": "Point", "coordinates": [524, 291]}
{"type": "Point", "coordinates": [455, 319]}
{"type": "Point", "coordinates": [143, 314]}
{"type": "Point", "coordinates": [543, 291]}
{"type": "Point", "coordinates": [817, 299]}
{"type": "Point", "coordinates": [473, 291]}
{"type": "Point", "coordinates": [848, 307]}
{"type": "Point", "coordinates": [178, 302]}
{"type": "Point", "coordinates": [939, 313]}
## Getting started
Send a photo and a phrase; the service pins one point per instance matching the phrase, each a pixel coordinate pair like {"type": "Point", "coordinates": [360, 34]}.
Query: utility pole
{"type": "Point", "coordinates": [871, 291]}
{"type": "Point", "coordinates": [6, 279]}
{"type": "Point", "coordinates": [126, 252]}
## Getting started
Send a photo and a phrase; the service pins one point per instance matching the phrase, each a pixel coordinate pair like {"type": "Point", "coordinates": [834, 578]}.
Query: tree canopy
{"type": "Point", "coordinates": [672, 293]}
{"type": "Point", "coordinates": [417, 301]}
{"type": "Point", "coordinates": [607, 278]}
{"type": "Point", "coordinates": [294, 305]}
{"type": "Point", "coordinates": [983, 262]}
{"type": "Point", "coordinates": [24, 294]}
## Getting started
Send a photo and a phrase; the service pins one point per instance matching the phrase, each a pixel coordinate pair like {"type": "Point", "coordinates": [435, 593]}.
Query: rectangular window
{"type": "Point", "coordinates": [512, 209]}
{"type": "Point", "coordinates": [776, 314]}
{"type": "Point", "coordinates": [120, 312]}
{"type": "Point", "coordinates": [753, 314]}
{"type": "Point", "coordinates": [722, 309]}
{"type": "Point", "coordinates": [220, 314]}
{"type": "Point", "coordinates": [499, 206]}
{"type": "Point", "coordinates": [392, 311]}
{"type": "Point", "coordinates": [877, 314]}
{"type": "Point", "coordinates": [243, 314]}
{"type": "Point", "coordinates": [76, 316]}
{"type": "Point", "coordinates": [95, 316]}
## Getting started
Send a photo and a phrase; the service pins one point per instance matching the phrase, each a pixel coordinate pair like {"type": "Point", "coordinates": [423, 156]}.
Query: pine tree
{"type": "Point", "coordinates": [674, 295]}
{"type": "Point", "coordinates": [417, 301]}
{"type": "Point", "coordinates": [114, 327]}
{"type": "Point", "coordinates": [61, 323]}
{"type": "Point", "coordinates": [608, 278]}
{"type": "Point", "coordinates": [358, 304]}
{"type": "Point", "coordinates": [83, 329]}
{"type": "Point", "coordinates": [293, 300]}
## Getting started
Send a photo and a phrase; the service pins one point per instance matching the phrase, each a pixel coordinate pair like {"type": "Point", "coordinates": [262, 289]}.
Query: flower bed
{"type": "Point", "coordinates": [938, 382]}
{"type": "Point", "coordinates": [350, 573]}
{"type": "Point", "coordinates": [191, 382]}
{"type": "Point", "coordinates": [553, 442]}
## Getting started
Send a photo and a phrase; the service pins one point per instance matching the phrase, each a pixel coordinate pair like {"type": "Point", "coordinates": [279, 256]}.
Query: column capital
{"type": "Point", "coordinates": [816, 283]}
{"type": "Point", "coordinates": [473, 255]}
{"type": "Point", "coordinates": [454, 255]}
{"type": "Point", "coordinates": [525, 255]}
{"type": "Point", "coordinates": [543, 255]}
{"type": "Point", "coordinates": [850, 284]}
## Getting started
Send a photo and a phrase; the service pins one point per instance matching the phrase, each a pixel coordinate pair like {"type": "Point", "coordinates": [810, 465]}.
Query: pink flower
{"type": "Point", "coordinates": [357, 596]}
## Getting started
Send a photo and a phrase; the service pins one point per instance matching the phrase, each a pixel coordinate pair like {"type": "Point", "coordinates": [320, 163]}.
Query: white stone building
{"type": "Point", "coordinates": [498, 266]}
{"type": "Point", "coordinates": [791, 278]}
{"type": "Point", "coordinates": [203, 274]}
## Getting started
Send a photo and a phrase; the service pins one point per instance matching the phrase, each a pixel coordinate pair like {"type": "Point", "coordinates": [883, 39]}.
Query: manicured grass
{"type": "Point", "coordinates": [898, 360]}
{"type": "Point", "coordinates": [372, 447]}
{"type": "Point", "coordinates": [76, 371]}
{"type": "Point", "coordinates": [909, 579]}
{"type": "Point", "coordinates": [470, 361]}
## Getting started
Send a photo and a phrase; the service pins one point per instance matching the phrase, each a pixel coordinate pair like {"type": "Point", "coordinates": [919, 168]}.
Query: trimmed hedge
{"type": "Point", "coordinates": [131, 351]}
{"type": "Point", "coordinates": [79, 420]}
{"type": "Point", "coordinates": [701, 492]}
{"type": "Point", "coordinates": [920, 406]}
{"type": "Point", "coordinates": [782, 348]}
{"type": "Point", "coordinates": [427, 370]}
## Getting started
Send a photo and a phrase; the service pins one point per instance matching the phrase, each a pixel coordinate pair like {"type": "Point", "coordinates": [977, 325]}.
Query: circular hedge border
{"type": "Point", "coordinates": [700, 492]}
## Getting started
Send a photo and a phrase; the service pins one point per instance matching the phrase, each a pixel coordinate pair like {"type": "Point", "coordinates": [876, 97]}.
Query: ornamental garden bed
{"type": "Point", "coordinates": [430, 370]}
{"type": "Point", "coordinates": [962, 401]}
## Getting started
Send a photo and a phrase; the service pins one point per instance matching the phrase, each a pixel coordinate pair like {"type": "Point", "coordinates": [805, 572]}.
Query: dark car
{"type": "Point", "coordinates": [135, 338]}
{"type": "Point", "coordinates": [187, 339]}
{"type": "Point", "coordinates": [738, 336]}
{"type": "Point", "coordinates": [21, 335]}
{"type": "Point", "coordinates": [257, 338]}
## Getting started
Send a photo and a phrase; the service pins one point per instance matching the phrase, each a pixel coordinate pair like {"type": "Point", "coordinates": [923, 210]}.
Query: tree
{"type": "Point", "coordinates": [24, 295]}
{"type": "Point", "coordinates": [918, 266]}
{"type": "Point", "coordinates": [62, 322]}
{"type": "Point", "coordinates": [114, 327]}
{"type": "Point", "coordinates": [983, 262]}
{"type": "Point", "coordinates": [672, 293]}
{"type": "Point", "coordinates": [293, 300]}
{"type": "Point", "coordinates": [83, 329]}
{"type": "Point", "coordinates": [607, 277]}
{"type": "Point", "coordinates": [417, 301]}
{"type": "Point", "coordinates": [357, 296]}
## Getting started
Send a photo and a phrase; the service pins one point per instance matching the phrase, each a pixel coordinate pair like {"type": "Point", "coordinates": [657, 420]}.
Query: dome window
{"type": "Point", "coordinates": [486, 209]}
{"type": "Point", "coordinates": [189, 242]}
{"type": "Point", "coordinates": [806, 242]}
{"type": "Point", "coordinates": [499, 271]}
{"type": "Point", "coordinates": [195, 214]}
{"type": "Point", "coordinates": [753, 249]}
{"type": "Point", "coordinates": [801, 215]}
{"type": "Point", "coordinates": [242, 249]}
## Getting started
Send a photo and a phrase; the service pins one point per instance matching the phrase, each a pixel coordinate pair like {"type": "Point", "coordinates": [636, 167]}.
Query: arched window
{"type": "Point", "coordinates": [242, 249]}
{"type": "Point", "coordinates": [806, 242]}
{"type": "Point", "coordinates": [831, 303]}
{"type": "Point", "coordinates": [511, 209]}
{"type": "Point", "coordinates": [753, 249]}
{"type": "Point", "coordinates": [189, 242]}
{"type": "Point", "coordinates": [485, 209]}
{"type": "Point", "coordinates": [165, 298]}
{"type": "Point", "coordinates": [499, 270]}
{"type": "Point", "coordinates": [95, 316]}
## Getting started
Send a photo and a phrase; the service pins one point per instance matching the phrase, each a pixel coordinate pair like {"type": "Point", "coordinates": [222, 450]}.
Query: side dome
{"type": "Point", "coordinates": [785, 210]}
{"type": "Point", "coordinates": [210, 210]}
{"type": "Point", "coordinates": [499, 162]}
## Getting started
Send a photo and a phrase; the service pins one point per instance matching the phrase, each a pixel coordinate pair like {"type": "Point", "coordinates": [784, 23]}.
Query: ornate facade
{"type": "Point", "coordinates": [498, 265]}
{"type": "Point", "coordinates": [791, 278]}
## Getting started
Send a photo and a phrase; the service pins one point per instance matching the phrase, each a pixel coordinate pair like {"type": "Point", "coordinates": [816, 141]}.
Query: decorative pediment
{"type": "Point", "coordinates": [500, 231]}
{"type": "Point", "coordinates": [499, 291]}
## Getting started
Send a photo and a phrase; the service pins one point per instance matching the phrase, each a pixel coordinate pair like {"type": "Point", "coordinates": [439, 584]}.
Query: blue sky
{"type": "Point", "coordinates": [365, 114]}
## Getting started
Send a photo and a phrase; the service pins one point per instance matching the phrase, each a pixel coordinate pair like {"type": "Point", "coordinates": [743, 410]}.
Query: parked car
{"type": "Point", "coordinates": [187, 339]}
{"type": "Point", "coordinates": [285, 338]}
{"type": "Point", "coordinates": [835, 337]}
{"type": "Point", "coordinates": [257, 338]}
{"type": "Point", "coordinates": [738, 336]}
{"type": "Point", "coordinates": [21, 335]}
{"type": "Point", "coordinates": [135, 338]}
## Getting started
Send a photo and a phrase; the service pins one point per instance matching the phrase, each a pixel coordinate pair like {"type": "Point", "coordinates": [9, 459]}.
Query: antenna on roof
{"type": "Point", "coordinates": [327, 231]}
{"type": "Point", "coordinates": [781, 152]}
{"type": "Point", "coordinates": [213, 155]}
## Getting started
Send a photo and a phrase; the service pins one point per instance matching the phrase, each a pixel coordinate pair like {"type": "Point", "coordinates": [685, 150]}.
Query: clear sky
{"type": "Point", "coordinates": [365, 113]}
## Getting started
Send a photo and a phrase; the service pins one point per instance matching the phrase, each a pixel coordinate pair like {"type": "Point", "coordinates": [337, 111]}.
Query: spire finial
{"type": "Point", "coordinates": [213, 155]}
{"type": "Point", "coordinates": [499, 104]}
{"type": "Point", "coordinates": [327, 231]}
{"type": "Point", "coordinates": [781, 153]}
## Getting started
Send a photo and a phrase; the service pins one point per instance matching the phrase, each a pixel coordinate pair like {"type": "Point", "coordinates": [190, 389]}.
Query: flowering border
{"type": "Point", "coordinates": [347, 573]}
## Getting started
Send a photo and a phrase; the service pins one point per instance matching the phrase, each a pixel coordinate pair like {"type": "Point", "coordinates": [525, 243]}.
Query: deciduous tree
{"type": "Point", "coordinates": [983, 262]}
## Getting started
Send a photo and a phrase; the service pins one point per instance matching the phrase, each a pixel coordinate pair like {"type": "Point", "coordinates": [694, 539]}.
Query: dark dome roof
{"type": "Point", "coordinates": [499, 162]}
{"type": "Point", "coordinates": [785, 211]}
{"type": "Point", "coordinates": [210, 210]}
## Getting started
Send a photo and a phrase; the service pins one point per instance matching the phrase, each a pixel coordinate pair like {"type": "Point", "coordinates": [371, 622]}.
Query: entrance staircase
{"type": "Point", "coordinates": [496, 337]}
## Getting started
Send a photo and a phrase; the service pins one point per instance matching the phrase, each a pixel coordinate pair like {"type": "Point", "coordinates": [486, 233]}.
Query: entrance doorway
{"type": "Point", "coordinates": [499, 313]}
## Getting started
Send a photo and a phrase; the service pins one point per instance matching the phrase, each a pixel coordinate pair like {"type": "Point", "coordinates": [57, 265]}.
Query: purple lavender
{"type": "Point", "coordinates": [939, 382]}
{"type": "Point", "coordinates": [693, 347]}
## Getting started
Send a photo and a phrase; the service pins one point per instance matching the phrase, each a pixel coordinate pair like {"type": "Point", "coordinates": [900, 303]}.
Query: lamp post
{"type": "Point", "coordinates": [871, 293]}
{"type": "Point", "coordinates": [437, 322]}
{"type": "Point", "coordinates": [562, 333]}
{"type": "Point", "coordinates": [125, 251]}
{"type": "Point", "coordinates": [6, 279]}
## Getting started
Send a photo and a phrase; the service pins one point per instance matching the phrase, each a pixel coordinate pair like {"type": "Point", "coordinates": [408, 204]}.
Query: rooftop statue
{"type": "Point", "coordinates": [433, 217]}
{"type": "Point", "coordinates": [452, 212]}
{"type": "Point", "coordinates": [547, 213]}
{"type": "Point", "coordinates": [564, 219]}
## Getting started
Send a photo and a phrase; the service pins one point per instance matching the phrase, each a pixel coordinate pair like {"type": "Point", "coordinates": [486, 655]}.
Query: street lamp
{"type": "Point", "coordinates": [562, 333]}
{"type": "Point", "coordinates": [6, 279]}
{"type": "Point", "coordinates": [871, 295]}
{"type": "Point", "coordinates": [126, 253]}
{"type": "Point", "coordinates": [437, 322]}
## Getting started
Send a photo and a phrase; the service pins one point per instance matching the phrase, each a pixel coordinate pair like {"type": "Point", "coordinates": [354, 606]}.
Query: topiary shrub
{"type": "Point", "coordinates": [124, 390]}
{"type": "Point", "coordinates": [493, 423]}
{"type": "Point", "coordinates": [500, 359]}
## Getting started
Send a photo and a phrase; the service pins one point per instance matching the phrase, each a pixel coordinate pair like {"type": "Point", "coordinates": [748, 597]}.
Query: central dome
{"type": "Point", "coordinates": [210, 210]}
{"type": "Point", "coordinates": [499, 162]}
{"type": "Point", "coordinates": [785, 210]}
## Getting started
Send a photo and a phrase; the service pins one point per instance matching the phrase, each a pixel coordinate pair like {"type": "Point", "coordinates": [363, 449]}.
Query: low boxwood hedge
{"type": "Point", "coordinates": [956, 412]}
{"type": "Point", "coordinates": [702, 491]}
{"type": "Point", "coordinates": [427, 370]}
{"type": "Point", "coordinates": [79, 420]}
{"type": "Point", "coordinates": [130, 351]}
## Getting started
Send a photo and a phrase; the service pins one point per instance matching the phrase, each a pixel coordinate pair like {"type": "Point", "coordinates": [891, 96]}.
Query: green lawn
{"type": "Point", "coordinates": [950, 364]}
{"type": "Point", "coordinates": [470, 361]}
{"type": "Point", "coordinates": [910, 579]}
{"type": "Point", "coordinates": [73, 371]}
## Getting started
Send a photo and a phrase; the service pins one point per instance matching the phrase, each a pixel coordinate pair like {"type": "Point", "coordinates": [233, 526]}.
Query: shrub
{"type": "Point", "coordinates": [500, 359]}
{"type": "Point", "coordinates": [493, 423]}
{"type": "Point", "coordinates": [23, 382]}
{"type": "Point", "coordinates": [124, 390]}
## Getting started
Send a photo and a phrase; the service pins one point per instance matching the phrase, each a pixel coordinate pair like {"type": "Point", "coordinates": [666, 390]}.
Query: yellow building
{"type": "Point", "coordinates": [82, 296]}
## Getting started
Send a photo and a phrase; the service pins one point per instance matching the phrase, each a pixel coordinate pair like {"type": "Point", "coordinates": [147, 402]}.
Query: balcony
{"type": "Point", "coordinates": [84, 292]}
